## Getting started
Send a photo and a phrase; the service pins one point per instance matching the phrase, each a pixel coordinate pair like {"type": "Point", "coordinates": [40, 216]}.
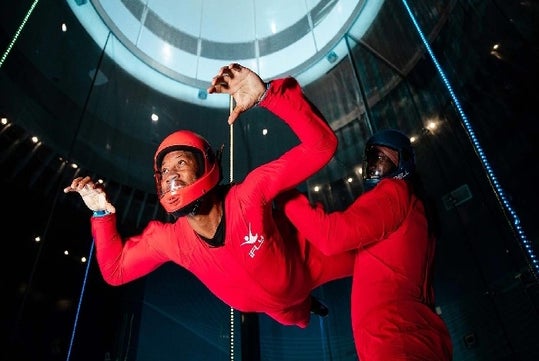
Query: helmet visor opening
{"type": "Point", "coordinates": [185, 167]}
{"type": "Point", "coordinates": [379, 161]}
{"type": "Point", "coordinates": [170, 186]}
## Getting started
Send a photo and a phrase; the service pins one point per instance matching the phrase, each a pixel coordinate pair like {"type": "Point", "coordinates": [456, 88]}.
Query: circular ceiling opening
{"type": "Point", "coordinates": [178, 46]}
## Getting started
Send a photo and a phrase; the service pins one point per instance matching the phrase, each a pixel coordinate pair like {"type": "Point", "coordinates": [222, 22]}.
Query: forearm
{"type": "Point", "coordinates": [318, 227]}
{"type": "Point", "coordinates": [119, 262]}
{"type": "Point", "coordinates": [318, 142]}
{"type": "Point", "coordinates": [108, 248]}
{"type": "Point", "coordinates": [369, 219]}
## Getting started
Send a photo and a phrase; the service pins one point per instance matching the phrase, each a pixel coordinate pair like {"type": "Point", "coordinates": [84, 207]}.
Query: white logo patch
{"type": "Point", "coordinates": [254, 240]}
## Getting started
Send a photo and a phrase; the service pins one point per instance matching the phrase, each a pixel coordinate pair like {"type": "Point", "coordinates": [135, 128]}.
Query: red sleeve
{"type": "Point", "coordinates": [317, 145]}
{"type": "Point", "coordinates": [121, 262]}
{"type": "Point", "coordinates": [371, 217]}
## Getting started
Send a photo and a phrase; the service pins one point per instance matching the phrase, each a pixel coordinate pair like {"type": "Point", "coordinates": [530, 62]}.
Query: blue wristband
{"type": "Point", "coordinates": [101, 213]}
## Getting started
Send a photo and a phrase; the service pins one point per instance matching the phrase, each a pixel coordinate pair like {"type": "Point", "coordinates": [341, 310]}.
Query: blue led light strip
{"type": "Point", "coordinates": [73, 332]}
{"type": "Point", "coordinates": [16, 36]}
{"type": "Point", "coordinates": [515, 221]}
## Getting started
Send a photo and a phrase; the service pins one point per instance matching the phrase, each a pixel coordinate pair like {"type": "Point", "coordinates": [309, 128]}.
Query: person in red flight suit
{"type": "Point", "coordinates": [226, 235]}
{"type": "Point", "coordinates": [392, 298]}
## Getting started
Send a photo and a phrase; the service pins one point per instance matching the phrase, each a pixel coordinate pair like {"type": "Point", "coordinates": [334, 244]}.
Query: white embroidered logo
{"type": "Point", "coordinates": [254, 240]}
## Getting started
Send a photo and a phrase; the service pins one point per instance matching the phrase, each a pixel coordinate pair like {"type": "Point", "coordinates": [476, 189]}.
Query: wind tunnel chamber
{"type": "Point", "coordinates": [459, 77]}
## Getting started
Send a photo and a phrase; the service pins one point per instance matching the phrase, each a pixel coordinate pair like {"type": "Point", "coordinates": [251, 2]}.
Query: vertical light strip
{"type": "Point", "coordinates": [231, 108]}
{"type": "Point", "coordinates": [231, 334]}
{"type": "Point", "coordinates": [16, 36]}
{"type": "Point", "coordinates": [515, 220]}
{"type": "Point", "coordinates": [88, 263]}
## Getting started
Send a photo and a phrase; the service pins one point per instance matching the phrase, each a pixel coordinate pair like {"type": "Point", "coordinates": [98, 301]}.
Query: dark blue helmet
{"type": "Point", "coordinates": [396, 162]}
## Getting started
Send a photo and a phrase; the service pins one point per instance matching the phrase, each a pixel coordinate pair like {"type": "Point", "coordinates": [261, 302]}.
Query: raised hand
{"type": "Point", "coordinates": [92, 194]}
{"type": "Point", "coordinates": [244, 85]}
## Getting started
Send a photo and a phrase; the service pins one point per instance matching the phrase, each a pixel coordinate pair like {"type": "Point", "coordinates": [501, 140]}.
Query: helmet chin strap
{"type": "Point", "coordinates": [195, 207]}
{"type": "Point", "coordinates": [188, 210]}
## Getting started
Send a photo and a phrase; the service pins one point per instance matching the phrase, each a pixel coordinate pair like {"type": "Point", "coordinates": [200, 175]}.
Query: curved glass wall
{"type": "Point", "coordinates": [486, 289]}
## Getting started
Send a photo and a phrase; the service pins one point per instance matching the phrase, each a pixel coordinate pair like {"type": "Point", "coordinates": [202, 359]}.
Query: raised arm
{"type": "Point", "coordinates": [317, 142]}
{"type": "Point", "coordinates": [119, 262]}
{"type": "Point", "coordinates": [284, 98]}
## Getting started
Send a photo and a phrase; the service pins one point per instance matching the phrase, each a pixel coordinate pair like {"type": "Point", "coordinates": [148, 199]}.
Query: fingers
{"type": "Point", "coordinates": [80, 183]}
{"type": "Point", "coordinates": [110, 208]}
{"type": "Point", "coordinates": [242, 84]}
{"type": "Point", "coordinates": [235, 114]}
{"type": "Point", "coordinates": [221, 82]}
{"type": "Point", "coordinates": [93, 194]}
{"type": "Point", "coordinates": [218, 82]}
{"type": "Point", "coordinates": [74, 185]}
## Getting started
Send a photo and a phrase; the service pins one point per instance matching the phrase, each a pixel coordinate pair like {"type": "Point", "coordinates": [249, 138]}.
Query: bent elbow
{"type": "Point", "coordinates": [112, 281]}
{"type": "Point", "coordinates": [333, 142]}
{"type": "Point", "coordinates": [113, 278]}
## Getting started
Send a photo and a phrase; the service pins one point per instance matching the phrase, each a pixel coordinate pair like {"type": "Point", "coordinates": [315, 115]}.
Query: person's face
{"type": "Point", "coordinates": [178, 169]}
{"type": "Point", "coordinates": [376, 163]}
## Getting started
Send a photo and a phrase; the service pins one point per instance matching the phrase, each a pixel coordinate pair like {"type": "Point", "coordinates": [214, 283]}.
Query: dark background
{"type": "Point", "coordinates": [481, 155]}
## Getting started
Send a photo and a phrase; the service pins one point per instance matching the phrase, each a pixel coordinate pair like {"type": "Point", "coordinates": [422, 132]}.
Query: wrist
{"type": "Point", "coordinates": [101, 213]}
{"type": "Point", "coordinates": [263, 95]}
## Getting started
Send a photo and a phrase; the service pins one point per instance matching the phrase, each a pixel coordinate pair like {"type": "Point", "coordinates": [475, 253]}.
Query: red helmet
{"type": "Point", "coordinates": [208, 176]}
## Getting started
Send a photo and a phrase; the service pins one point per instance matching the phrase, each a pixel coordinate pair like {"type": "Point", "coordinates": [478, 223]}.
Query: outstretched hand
{"type": "Point", "coordinates": [244, 85]}
{"type": "Point", "coordinates": [92, 194]}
